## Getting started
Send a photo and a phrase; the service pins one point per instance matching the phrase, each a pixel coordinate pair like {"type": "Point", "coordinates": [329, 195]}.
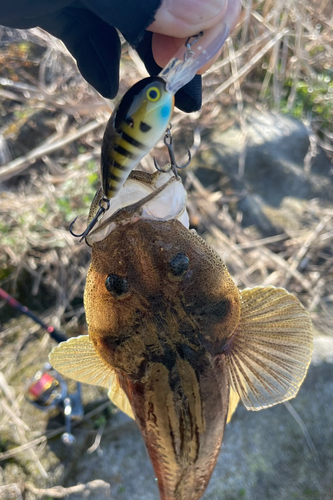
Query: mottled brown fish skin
{"type": "Point", "coordinates": [165, 338]}
{"type": "Point", "coordinates": [182, 426]}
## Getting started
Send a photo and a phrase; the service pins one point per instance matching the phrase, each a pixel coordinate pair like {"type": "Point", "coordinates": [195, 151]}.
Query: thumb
{"type": "Point", "coordinates": [183, 18]}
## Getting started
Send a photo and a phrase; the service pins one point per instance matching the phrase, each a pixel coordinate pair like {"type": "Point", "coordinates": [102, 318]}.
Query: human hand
{"type": "Point", "coordinates": [175, 21]}
{"type": "Point", "coordinates": [87, 27]}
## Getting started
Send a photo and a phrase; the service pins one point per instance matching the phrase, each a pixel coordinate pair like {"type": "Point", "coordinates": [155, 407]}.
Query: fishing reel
{"type": "Point", "coordinates": [47, 390]}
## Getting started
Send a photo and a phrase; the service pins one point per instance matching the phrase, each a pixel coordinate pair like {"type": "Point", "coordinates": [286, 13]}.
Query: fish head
{"type": "Point", "coordinates": [150, 277]}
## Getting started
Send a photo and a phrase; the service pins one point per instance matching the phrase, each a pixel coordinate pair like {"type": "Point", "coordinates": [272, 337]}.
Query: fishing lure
{"type": "Point", "coordinates": [138, 123]}
{"type": "Point", "coordinates": [134, 128]}
{"type": "Point", "coordinates": [143, 115]}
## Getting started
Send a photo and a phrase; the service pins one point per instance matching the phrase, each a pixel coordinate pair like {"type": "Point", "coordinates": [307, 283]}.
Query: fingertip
{"type": "Point", "coordinates": [164, 47]}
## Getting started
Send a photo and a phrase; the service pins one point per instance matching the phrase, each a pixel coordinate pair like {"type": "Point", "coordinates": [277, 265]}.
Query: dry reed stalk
{"type": "Point", "coordinates": [19, 489]}
{"type": "Point", "coordinates": [50, 434]}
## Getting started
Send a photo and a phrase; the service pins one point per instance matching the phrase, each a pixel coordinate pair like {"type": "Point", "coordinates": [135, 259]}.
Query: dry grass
{"type": "Point", "coordinates": [51, 124]}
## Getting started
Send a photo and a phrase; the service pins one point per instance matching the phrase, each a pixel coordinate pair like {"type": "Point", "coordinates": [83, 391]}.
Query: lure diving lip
{"type": "Point", "coordinates": [197, 51]}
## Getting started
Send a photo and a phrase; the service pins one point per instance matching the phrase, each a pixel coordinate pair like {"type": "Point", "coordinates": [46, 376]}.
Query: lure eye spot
{"type": "Point", "coordinates": [116, 285]}
{"type": "Point", "coordinates": [179, 264]}
{"type": "Point", "coordinates": [153, 94]}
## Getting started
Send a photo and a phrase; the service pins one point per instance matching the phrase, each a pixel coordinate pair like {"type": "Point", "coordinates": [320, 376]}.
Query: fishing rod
{"type": "Point", "coordinates": [54, 333]}
{"type": "Point", "coordinates": [47, 389]}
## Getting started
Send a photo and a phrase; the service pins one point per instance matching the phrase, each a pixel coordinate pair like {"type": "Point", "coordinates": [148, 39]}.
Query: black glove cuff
{"type": "Point", "coordinates": [130, 17]}
{"type": "Point", "coordinates": [94, 44]}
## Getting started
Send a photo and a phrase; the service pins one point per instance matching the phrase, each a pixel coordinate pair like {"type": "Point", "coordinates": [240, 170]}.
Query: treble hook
{"type": "Point", "coordinates": [173, 162]}
{"type": "Point", "coordinates": [100, 212]}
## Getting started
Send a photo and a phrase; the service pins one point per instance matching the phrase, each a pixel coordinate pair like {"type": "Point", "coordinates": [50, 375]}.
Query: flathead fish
{"type": "Point", "coordinates": [177, 344]}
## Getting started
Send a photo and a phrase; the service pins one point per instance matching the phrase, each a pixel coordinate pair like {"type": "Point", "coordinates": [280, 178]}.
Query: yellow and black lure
{"type": "Point", "coordinates": [139, 122]}
{"type": "Point", "coordinates": [134, 128]}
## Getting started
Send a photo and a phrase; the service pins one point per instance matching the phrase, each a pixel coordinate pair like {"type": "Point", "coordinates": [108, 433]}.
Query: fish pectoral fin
{"type": "Point", "coordinates": [78, 359]}
{"type": "Point", "coordinates": [119, 398]}
{"type": "Point", "coordinates": [233, 403]}
{"type": "Point", "coordinates": [269, 353]}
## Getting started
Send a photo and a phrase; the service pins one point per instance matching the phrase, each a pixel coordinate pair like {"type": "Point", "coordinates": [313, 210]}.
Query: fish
{"type": "Point", "coordinates": [178, 345]}
{"type": "Point", "coordinates": [134, 128]}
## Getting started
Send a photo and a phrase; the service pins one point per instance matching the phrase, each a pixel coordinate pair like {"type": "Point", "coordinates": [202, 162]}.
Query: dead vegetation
{"type": "Point", "coordinates": [280, 57]}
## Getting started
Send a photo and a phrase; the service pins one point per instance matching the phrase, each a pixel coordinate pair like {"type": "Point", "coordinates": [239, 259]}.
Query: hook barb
{"type": "Point", "coordinates": [173, 162]}
{"type": "Point", "coordinates": [93, 222]}
{"type": "Point", "coordinates": [71, 229]}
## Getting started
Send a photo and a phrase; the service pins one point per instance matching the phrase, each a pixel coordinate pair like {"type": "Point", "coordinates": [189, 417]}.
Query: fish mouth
{"type": "Point", "coordinates": [168, 204]}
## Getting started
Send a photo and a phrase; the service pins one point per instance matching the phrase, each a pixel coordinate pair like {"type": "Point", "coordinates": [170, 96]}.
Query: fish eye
{"type": "Point", "coordinates": [179, 264]}
{"type": "Point", "coordinates": [153, 94]}
{"type": "Point", "coordinates": [116, 285]}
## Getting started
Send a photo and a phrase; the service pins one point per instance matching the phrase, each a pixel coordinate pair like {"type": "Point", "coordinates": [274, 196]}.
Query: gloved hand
{"type": "Point", "coordinates": [87, 28]}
